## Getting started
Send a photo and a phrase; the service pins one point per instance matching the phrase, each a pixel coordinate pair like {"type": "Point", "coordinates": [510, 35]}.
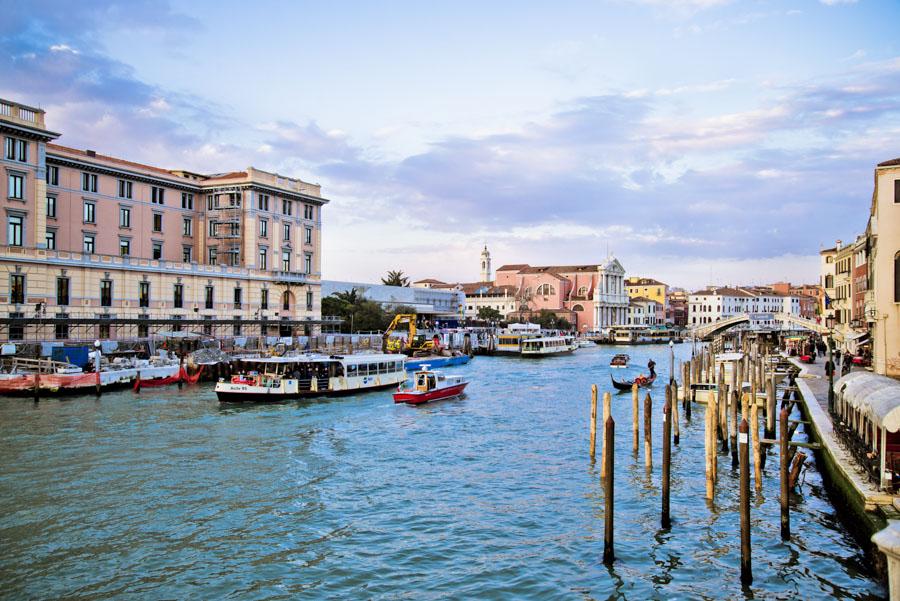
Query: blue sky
{"type": "Point", "coordinates": [700, 141]}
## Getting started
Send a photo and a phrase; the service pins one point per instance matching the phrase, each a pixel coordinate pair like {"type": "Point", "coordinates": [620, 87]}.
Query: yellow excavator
{"type": "Point", "coordinates": [414, 342]}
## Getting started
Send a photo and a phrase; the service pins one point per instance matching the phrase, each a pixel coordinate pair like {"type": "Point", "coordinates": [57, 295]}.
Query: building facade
{"type": "Point", "coordinates": [827, 274]}
{"type": "Point", "coordinates": [94, 236]}
{"type": "Point", "coordinates": [652, 289]}
{"type": "Point", "coordinates": [760, 304]}
{"type": "Point", "coordinates": [882, 307]}
{"type": "Point", "coordinates": [677, 310]}
{"type": "Point", "coordinates": [589, 297]}
{"type": "Point", "coordinates": [643, 311]}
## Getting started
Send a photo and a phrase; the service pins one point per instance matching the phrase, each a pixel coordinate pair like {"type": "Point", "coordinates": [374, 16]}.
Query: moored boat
{"type": "Point", "coordinates": [269, 379]}
{"type": "Point", "coordinates": [430, 386]}
{"type": "Point", "coordinates": [455, 358]}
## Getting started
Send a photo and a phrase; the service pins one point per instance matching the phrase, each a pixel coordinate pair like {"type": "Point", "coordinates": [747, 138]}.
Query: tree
{"type": "Point", "coordinates": [351, 297]}
{"type": "Point", "coordinates": [548, 319]}
{"type": "Point", "coordinates": [489, 314]}
{"type": "Point", "coordinates": [395, 278]}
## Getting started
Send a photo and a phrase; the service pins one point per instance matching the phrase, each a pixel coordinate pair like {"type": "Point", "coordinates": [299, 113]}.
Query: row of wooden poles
{"type": "Point", "coordinates": [743, 434]}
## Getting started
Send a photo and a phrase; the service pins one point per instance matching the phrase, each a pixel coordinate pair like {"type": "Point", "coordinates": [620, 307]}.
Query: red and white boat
{"type": "Point", "coordinates": [430, 386]}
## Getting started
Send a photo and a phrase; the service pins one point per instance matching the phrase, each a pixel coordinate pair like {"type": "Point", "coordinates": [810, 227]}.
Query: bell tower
{"type": "Point", "coordinates": [485, 265]}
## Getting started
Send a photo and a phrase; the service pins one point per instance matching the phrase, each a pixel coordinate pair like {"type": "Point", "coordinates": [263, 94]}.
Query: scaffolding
{"type": "Point", "coordinates": [225, 215]}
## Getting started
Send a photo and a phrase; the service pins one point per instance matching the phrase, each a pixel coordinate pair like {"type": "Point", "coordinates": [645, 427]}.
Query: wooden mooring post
{"type": "Point", "coordinates": [770, 408]}
{"type": "Point", "coordinates": [607, 412]}
{"type": "Point", "coordinates": [721, 412]}
{"type": "Point", "coordinates": [710, 446]}
{"type": "Point", "coordinates": [743, 443]}
{"type": "Point", "coordinates": [609, 434]}
{"type": "Point", "coordinates": [648, 435]}
{"type": "Point", "coordinates": [635, 418]}
{"type": "Point", "coordinates": [666, 457]}
{"type": "Point", "coordinates": [593, 421]}
{"type": "Point", "coordinates": [673, 401]}
{"type": "Point", "coordinates": [735, 421]}
{"type": "Point", "coordinates": [37, 385]}
{"type": "Point", "coordinates": [754, 439]}
{"type": "Point", "coordinates": [785, 488]}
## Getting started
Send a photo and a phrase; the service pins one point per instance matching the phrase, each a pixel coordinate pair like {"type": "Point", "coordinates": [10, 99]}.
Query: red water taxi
{"type": "Point", "coordinates": [430, 386]}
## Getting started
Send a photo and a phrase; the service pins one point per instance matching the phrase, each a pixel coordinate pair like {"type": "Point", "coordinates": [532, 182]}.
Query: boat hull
{"type": "Point", "coordinates": [625, 385]}
{"type": "Point", "coordinates": [226, 396]}
{"type": "Point", "coordinates": [415, 363]}
{"type": "Point", "coordinates": [413, 397]}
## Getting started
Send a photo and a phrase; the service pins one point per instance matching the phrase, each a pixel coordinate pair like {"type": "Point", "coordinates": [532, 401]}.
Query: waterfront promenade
{"type": "Point", "coordinates": [813, 385]}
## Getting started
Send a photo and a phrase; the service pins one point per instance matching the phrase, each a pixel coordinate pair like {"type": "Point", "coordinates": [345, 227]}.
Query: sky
{"type": "Point", "coordinates": [698, 141]}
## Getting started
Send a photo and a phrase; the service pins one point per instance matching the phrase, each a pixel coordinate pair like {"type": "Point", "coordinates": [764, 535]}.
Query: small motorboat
{"type": "Point", "coordinates": [430, 386]}
{"type": "Point", "coordinates": [619, 361]}
{"type": "Point", "coordinates": [642, 381]}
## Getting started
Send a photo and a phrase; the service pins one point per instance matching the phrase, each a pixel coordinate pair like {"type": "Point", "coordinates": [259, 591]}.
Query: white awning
{"type": "Point", "coordinates": [855, 335]}
{"type": "Point", "coordinates": [876, 397]}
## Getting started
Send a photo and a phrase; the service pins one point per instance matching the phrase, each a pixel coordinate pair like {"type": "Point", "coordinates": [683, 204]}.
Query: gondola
{"type": "Point", "coordinates": [627, 384]}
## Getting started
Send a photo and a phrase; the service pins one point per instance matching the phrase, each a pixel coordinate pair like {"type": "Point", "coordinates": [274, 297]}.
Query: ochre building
{"type": "Point", "coordinates": [94, 236]}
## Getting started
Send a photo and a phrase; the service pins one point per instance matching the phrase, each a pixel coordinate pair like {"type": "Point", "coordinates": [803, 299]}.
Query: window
{"type": "Point", "coordinates": [187, 200]}
{"type": "Point", "coordinates": [157, 250]}
{"type": "Point", "coordinates": [51, 207]}
{"type": "Point", "coordinates": [16, 186]}
{"type": "Point", "coordinates": [157, 222]}
{"type": "Point", "coordinates": [105, 293]}
{"type": "Point", "coordinates": [187, 226]}
{"type": "Point", "coordinates": [286, 301]}
{"type": "Point", "coordinates": [237, 298]}
{"type": "Point", "coordinates": [62, 329]}
{"type": "Point", "coordinates": [897, 190]}
{"type": "Point", "coordinates": [62, 291]}
{"type": "Point", "coordinates": [264, 299]}
{"type": "Point", "coordinates": [52, 176]}
{"type": "Point", "coordinates": [213, 255]}
{"type": "Point", "coordinates": [124, 217]}
{"type": "Point", "coordinates": [307, 235]}
{"type": "Point", "coordinates": [307, 264]}
{"type": "Point", "coordinates": [545, 290]}
{"type": "Point", "coordinates": [309, 300]}
{"type": "Point", "coordinates": [897, 278]}
{"type": "Point", "coordinates": [308, 212]}
{"type": "Point", "coordinates": [124, 189]}
{"type": "Point", "coordinates": [124, 247]}
{"type": "Point", "coordinates": [157, 195]}
{"type": "Point", "coordinates": [263, 228]}
{"type": "Point", "coordinates": [178, 296]}
{"type": "Point", "coordinates": [50, 239]}
{"type": "Point", "coordinates": [89, 182]}
{"type": "Point", "coordinates": [263, 258]}
{"type": "Point", "coordinates": [209, 297]}
{"type": "Point", "coordinates": [90, 212]}
{"type": "Point", "coordinates": [236, 329]}
{"type": "Point", "coordinates": [16, 150]}
{"type": "Point", "coordinates": [143, 329]}
{"type": "Point", "coordinates": [287, 232]}
{"type": "Point", "coordinates": [17, 289]}
{"type": "Point", "coordinates": [286, 207]}
{"type": "Point", "coordinates": [211, 229]}
{"type": "Point", "coordinates": [285, 260]}
{"type": "Point", "coordinates": [263, 202]}
{"type": "Point", "coordinates": [144, 294]}
{"type": "Point", "coordinates": [14, 230]}
{"type": "Point", "coordinates": [187, 254]}
{"type": "Point", "coordinates": [88, 243]}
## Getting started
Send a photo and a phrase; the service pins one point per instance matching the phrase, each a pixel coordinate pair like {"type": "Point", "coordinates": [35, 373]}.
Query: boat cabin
{"type": "Point", "coordinates": [426, 380]}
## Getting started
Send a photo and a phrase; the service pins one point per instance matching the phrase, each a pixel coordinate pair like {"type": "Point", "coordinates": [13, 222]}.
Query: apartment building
{"type": "Point", "coordinates": [652, 289]}
{"type": "Point", "coordinates": [760, 303]}
{"type": "Point", "coordinates": [882, 305]}
{"type": "Point", "coordinates": [95, 236]}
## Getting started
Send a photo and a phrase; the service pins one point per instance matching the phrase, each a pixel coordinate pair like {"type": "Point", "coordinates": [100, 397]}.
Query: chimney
{"type": "Point", "coordinates": [837, 245]}
{"type": "Point", "coordinates": [91, 153]}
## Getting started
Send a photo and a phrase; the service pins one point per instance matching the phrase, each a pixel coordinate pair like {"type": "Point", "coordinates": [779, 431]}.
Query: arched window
{"type": "Point", "coordinates": [286, 300]}
{"type": "Point", "coordinates": [582, 292]}
{"type": "Point", "coordinates": [545, 290]}
{"type": "Point", "coordinates": [578, 308]}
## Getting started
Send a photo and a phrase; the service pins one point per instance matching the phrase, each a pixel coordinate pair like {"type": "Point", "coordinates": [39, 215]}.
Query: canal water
{"type": "Point", "coordinates": [167, 494]}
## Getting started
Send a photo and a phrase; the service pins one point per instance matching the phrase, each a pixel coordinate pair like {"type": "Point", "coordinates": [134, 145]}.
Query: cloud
{"type": "Point", "coordinates": [836, 2]}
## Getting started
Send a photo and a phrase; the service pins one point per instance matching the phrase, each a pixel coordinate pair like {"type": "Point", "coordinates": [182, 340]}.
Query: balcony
{"type": "Point", "coordinates": [290, 277]}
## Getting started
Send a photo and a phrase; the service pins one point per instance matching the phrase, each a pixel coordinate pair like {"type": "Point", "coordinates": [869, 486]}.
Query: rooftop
{"type": "Point", "coordinates": [891, 163]}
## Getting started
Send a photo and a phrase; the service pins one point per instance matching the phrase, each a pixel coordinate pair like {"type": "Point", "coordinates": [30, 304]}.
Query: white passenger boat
{"type": "Point", "coordinates": [548, 345]}
{"type": "Point", "coordinates": [509, 341]}
{"type": "Point", "coordinates": [269, 379]}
